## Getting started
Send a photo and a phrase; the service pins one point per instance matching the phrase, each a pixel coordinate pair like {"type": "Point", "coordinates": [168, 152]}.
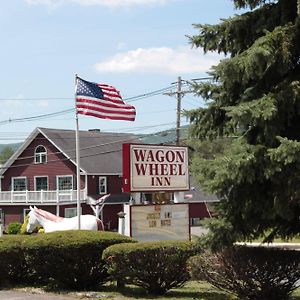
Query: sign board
{"type": "Point", "coordinates": [159, 222]}
{"type": "Point", "coordinates": [155, 168]}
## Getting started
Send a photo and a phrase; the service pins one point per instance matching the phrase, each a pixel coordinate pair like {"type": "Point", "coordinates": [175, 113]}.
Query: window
{"type": "Point", "coordinates": [195, 221]}
{"type": "Point", "coordinates": [40, 155]}
{"type": "Point", "coordinates": [71, 212]}
{"type": "Point", "coordinates": [19, 183]}
{"type": "Point", "coordinates": [41, 183]}
{"type": "Point", "coordinates": [65, 183]}
{"type": "Point", "coordinates": [102, 185]}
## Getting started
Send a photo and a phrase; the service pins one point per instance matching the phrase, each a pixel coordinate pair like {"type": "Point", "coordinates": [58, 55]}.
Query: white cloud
{"type": "Point", "coordinates": [180, 60]}
{"type": "Point", "coordinates": [108, 3]}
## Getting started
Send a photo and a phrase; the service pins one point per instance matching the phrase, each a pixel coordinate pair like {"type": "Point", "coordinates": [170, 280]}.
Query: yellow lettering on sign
{"type": "Point", "coordinates": [152, 223]}
{"type": "Point", "coordinates": [165, 222]}
{"type": "Point", "coordinates": [153, 216]}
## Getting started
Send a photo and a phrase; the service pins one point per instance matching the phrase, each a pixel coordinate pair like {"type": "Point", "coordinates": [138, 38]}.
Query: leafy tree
{"type": "Point", "coordinates": [5, 154]}
{"type": "Point", "coordinates": [254, 98]}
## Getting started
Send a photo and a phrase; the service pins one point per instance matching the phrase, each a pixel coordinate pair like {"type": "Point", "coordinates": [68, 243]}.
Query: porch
{"type": "Point", "coordinates": [41, 197]}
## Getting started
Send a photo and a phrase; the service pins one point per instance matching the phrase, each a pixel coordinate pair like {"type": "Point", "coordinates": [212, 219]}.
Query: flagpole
{"type": "Point", "coordinates": [77, 159]}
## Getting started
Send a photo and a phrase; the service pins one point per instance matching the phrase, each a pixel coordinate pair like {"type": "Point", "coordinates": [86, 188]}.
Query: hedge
{"type": "Point", "coordinates": [64, 259]}
{"type": "Point", "coordinates": [71, 259]}
{"type": "Point", "coordinates": [251, 273]}
{"type": "Point", "coordinates": [13, 266]}
{"type": "Point", "coordinates": [154, 266]}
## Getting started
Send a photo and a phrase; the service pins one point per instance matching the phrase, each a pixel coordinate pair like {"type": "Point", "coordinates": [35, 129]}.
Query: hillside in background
{"type": "Point", "coordinates": [14, 146]}
{"type": "Point", "coordinates": [164, 137]}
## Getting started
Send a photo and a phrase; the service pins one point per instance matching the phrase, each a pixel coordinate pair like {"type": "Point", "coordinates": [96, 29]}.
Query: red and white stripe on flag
{"type": "Point", "coordinates": [102, 101]}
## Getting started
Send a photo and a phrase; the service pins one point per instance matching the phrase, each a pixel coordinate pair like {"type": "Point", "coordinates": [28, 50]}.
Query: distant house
{"type": "Point", "coordinates": [200, 203]}
{"type": "Point", "coordinates": [42, 172]}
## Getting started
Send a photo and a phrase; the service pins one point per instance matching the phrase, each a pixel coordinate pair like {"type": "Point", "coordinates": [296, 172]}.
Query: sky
{"type": "Point", "coordinates": [138, 46]}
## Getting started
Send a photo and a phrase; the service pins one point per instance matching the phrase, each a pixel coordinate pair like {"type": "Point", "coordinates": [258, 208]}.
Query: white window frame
{"type": "Point", "coordinates": [71, 212]}
{"type": "Point", "coordinates": [35, 185]}
{"type": "Point", "coordinates": [64, 176]}
{"type": "Point", "coordinates": [104, 186]}
{"type": "Point", "coordinates": [38, 157]}
{"type": "Point", "coordinates": [13, 183]}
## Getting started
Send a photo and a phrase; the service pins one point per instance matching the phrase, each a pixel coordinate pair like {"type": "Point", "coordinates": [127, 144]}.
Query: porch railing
{"type": "Point", "coordinates": [46, 197]}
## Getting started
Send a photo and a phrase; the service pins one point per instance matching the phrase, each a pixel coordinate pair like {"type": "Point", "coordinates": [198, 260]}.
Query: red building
{"type": "Point", "coordinates": [42, 172]}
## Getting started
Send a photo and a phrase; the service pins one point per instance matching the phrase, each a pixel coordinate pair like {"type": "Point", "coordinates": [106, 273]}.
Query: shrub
{"type": "Point", "coordinates": [251, 273]}
{"type": "Point", "coordinates": [70, 259]}
{"type": "Point", "coordinates": [13, 267]}
{"type": "Point", "coordinates": [14, 228]}
{"type": "Point", "coordinates": [154, 266]}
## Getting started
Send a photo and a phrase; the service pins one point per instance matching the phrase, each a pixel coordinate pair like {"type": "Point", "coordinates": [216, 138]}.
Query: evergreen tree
{"type": "Point", "coordinates": [254, 99]}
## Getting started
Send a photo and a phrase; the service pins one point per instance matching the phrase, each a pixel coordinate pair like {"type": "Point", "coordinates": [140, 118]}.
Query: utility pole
{"type": "Point", "coordinates": [179, 94]}
{"type": "Point", "coordinates": [178, 110]}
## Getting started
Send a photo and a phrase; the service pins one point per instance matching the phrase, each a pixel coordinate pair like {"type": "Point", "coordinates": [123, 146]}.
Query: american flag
{"type": "Point", "coordinates": [101, 101]}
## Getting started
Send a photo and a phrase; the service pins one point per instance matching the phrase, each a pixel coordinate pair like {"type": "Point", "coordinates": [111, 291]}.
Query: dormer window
{"type": "Point", "coordinates": [40, 155]}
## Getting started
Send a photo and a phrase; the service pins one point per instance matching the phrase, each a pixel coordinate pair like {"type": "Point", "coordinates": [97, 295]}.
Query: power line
{"type": "Point", "coordinates": [33, 118]}
{"type": "Point", "coordinates": [130, 99]}
{"type": "Point", "coordinates": [133, 98]}
{"type": "Point", "coordinates": [36, 99]}
{"type": "Point", "coordinates": [137, 136]}
{"type": "Point", "coordinates": [65, 159]}
{"type": "Point", "coordinates": [83, 148]}
{"type": "Point", "coordinates": [73, 150]}
{"type": "Point", "coordinates": [58, 113]}
{"type": "Point", "coordinates": [14, 135]}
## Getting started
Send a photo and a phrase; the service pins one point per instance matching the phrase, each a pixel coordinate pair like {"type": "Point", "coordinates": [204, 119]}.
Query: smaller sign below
{"type": "Point", "coordinates": [158, 222]}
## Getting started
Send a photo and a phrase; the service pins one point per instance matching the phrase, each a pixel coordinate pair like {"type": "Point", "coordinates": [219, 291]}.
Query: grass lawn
{"type": "Point", "coordinates": [191, 290]}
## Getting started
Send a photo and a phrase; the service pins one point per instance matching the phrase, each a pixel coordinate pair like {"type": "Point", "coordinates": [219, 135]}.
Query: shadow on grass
{"type": "Point", "coordinates": [209, 295]}
{"type": "Point", "coordinates": [185, 292]}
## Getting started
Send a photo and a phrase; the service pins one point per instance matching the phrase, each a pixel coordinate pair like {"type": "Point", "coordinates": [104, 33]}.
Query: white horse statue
{"type": "Point", "coordinates": [51, 222]}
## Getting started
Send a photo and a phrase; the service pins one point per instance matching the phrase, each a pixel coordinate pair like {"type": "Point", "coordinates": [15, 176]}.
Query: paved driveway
{"type": "Point", "coordinates": [20, 295]}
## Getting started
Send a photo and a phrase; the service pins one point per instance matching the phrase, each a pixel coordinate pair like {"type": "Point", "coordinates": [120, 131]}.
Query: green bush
{"type": "Point", "coordinates": [14, 228]}
{"type": "Point", "coordinates": [70, 259]}
{"type": "Point", "coordinates": [154, 266]}
{"type": "Point", "coordinates": [251, 273]}
{"type": "Point", "coordinates": [13, 267]}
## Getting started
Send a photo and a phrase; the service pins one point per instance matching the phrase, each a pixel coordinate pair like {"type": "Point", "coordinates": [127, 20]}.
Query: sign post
{"type": "Point", "coordinates": [1, 226]}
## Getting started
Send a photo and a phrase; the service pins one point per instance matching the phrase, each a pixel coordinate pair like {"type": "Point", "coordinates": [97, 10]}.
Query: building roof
{"type": "Point", "coordinates": [196, 194]}
{"type": "Point", "coordinates": [100, 152]}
